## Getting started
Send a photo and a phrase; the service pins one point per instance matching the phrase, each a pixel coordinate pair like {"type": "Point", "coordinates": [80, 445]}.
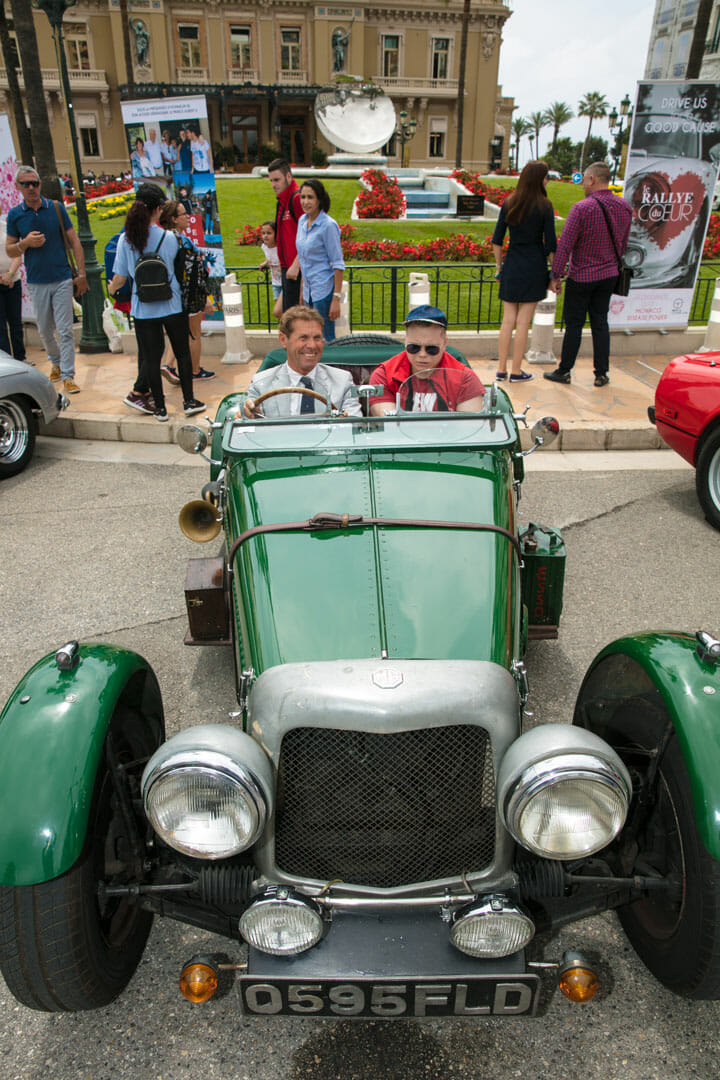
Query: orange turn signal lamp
{"type": "Point", "coordinates": [199, 979]}
{"type": "Point", "coordinates": [578, 982]}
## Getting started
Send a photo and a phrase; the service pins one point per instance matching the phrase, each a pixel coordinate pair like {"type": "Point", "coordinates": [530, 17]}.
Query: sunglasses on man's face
{"type": "Point", "coordinates": [431, 350]}
{"type": "Point", "coordinates": [29, 183]}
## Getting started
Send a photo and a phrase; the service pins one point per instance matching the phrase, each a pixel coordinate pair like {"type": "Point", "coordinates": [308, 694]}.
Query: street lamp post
{"type": "Point", "coordinates": [93, 338]}
{"type": "Point", "coordinates": [616, 121]}
{"type": "Point", "coordinates": [405, 131]}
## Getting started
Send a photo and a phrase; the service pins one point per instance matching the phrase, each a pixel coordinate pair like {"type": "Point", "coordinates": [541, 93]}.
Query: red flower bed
{"type": "Point", "coordinates": [384, 199]}
{"type": "Point", "coordinates": [473, 183]}
{"type": "Point", "coordinates": [249, 234]}
{"type": "Point", "coordinates": [457, 248]}
{"type": "Point", "coordinates": [712, 240]}
{"type": "Point", "coordinates": [96, 191]}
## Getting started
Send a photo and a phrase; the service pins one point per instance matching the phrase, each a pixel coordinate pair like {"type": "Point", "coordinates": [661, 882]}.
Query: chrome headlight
{"type": "Point", "coordinates": [563, 792]}
{"type": "Point", "coordinates": [282, 923]}
{"type": "Point", "coordinates": [491, 927]}
{"type": "Point", "coordinates": [208, 791]}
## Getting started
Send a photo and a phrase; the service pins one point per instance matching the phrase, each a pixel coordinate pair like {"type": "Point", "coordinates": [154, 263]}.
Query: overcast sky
{"type": "Point", "coordinates": [559, 50]}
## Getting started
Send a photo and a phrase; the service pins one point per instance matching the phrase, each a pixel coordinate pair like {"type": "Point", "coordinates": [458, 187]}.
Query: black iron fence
{"type": "Point", "coordinates": [467, 292]}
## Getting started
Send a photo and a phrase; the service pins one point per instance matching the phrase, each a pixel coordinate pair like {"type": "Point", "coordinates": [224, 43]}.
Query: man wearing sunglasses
{"type": "Point", "coordinates": [34, 231]}
{"type": "Point", "coordinates": [440, 383]}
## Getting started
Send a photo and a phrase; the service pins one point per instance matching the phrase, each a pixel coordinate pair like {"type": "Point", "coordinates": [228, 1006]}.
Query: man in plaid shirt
{"type": "Point", "coordinates": [586, 244]}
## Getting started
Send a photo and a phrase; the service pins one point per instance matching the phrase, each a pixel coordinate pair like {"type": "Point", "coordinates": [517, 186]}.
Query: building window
{"type": "Point", "coordinates": [77, 46]}
{"type": "Point", "coordinates": [189, 41]}
{"type": "Point", "coordinates": [88, 134]}
{"type": "Point", "coordinates": [440, 58]}
{"type": "Point", "coordinates": [666, 12]}
{"type": "Point", "coordinates": [390, 55]}
{"type": "Point", "coordinates": [437, 126]}
{"type": "Point", "coordinates": [658, 56]}
{"type": "Point", "coordinates": [240, 47]}
{"type": "Point", "coordinates": [290, 48]}
{"type": "Point", "coordinates": [437, 140]}
{"type": "Point", "coordinates": [682, 53]}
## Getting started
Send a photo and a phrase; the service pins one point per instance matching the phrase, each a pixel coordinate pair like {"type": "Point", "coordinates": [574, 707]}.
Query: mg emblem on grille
{"type": "Point", "coordinates": [387, 678]}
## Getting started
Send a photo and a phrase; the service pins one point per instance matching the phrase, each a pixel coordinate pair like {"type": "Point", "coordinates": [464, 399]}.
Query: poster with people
{"type": "Point", "coordinates": [670, 178]}
{"type": "Point", "coordinates": [9, 197]}
{"type": "Point", "coordinates": [169, 145]}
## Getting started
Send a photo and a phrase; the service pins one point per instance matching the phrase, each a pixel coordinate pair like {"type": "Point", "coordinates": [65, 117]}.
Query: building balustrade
{"type": "Point", "coordinates": [406, 85]}
{"type": "Point", "coordinates": [192, 75]}
{"type": "Point", "coordinates": [80, 79]}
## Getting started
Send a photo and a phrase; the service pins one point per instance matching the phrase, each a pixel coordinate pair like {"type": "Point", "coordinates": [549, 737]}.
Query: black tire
{"type": "Point", "coordinates": [17, 435]}
{"type": "Point", "coordinates": [707, 477]}
{"type": "Point", "coordinates": [676, 937]}
{"type": "Point", "coordinates": [60, 948]}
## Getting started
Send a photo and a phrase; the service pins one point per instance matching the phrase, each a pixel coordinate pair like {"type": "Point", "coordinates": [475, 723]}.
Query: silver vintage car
{"type": "Point", "coordinates": [25, 395]}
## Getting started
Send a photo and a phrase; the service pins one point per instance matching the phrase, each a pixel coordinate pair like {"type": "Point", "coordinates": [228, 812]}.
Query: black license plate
{"type": "Point", "coordinates": [481, 995]}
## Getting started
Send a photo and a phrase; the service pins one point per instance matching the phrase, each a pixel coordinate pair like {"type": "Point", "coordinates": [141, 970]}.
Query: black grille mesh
{"type": "Point", "coordinates": [385, 810]}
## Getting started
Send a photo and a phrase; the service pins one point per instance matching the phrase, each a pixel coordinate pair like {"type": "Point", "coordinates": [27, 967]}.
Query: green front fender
{"type": "Point", "coordinates": [52, 732]}
{"type": "Point", "coordinates": [664, 670]}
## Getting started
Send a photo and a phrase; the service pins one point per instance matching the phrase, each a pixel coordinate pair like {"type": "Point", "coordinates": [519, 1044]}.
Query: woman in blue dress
{"type": "Point", "coordinates": [523, 274]}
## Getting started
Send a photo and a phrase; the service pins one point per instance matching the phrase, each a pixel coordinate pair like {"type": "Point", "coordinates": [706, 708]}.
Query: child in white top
{"type": "Point", "coordinates": [269, 250]}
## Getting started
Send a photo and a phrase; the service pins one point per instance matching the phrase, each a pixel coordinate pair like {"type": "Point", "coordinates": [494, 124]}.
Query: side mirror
{"type": "Point", "coordinates": [544, 432]}
{"type": "Point", "coordinates": [192, 439]}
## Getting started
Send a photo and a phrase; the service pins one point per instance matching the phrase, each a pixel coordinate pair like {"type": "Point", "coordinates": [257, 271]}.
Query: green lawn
{"type": "Point", "coordinates": [250, 201]}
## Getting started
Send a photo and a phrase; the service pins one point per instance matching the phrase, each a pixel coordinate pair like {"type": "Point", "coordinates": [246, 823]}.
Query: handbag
{"type": "Point", "coordinates": [68, 250]}
{"type": "Point", "coordinates": [625, 273]}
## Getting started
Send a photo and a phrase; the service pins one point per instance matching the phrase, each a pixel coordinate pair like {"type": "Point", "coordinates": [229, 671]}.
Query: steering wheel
{"type": "Point", "coordinates": [289, 390]}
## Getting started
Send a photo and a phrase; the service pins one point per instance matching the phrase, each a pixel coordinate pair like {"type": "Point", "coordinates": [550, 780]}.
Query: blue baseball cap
{"type": "Point", "coordinates": [428, 314]}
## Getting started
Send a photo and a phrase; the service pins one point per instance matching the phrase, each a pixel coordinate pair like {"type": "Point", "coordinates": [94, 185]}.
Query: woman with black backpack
{"type": "Point", "coordinates": [146, 253]}
{"type": "Point", "coordinates": [192, 275]}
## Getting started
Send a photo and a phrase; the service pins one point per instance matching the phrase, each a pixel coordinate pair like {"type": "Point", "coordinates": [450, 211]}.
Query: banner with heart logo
{"type": "Point", "coordinates": [670, 178]}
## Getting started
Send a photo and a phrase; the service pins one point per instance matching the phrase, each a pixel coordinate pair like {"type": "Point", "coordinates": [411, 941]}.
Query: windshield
{"type": "Point", "coordinates": [440, 389]}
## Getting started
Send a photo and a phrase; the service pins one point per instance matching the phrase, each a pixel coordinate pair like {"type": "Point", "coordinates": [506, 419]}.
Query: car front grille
{"type": "Point", "coordinates": [385, 810]}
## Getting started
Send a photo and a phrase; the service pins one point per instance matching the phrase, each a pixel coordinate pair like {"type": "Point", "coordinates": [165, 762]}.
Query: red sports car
{"type": "Point", "coordinates": [687, 415]}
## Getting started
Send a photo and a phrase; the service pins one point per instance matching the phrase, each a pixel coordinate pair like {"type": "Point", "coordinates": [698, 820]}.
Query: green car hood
{"type": "Point", "coordinates": [370, 592]}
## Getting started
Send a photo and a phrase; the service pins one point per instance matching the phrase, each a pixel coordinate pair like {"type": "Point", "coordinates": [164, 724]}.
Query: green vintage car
{"type": "Point", "coordinates": [370, 827]}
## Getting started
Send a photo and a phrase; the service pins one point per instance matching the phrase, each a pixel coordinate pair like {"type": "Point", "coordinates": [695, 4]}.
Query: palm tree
{"type": "Point", "coordinates": [11, 63]}
{"type": "Point", "coordinates": [593, 105]}
{"type": "Point", "coordinates": [557, 114]}
{"type": "Point", "coordinates": [538, 121]}
{"type": "Point", "coordinates": [520, 128]}
{"type": "Point", "coordinates": [35, 97]}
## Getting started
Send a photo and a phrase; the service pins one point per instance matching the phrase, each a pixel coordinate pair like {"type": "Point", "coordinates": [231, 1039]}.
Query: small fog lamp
{"type": "Point", "coordinates": [578, 982]}
{"type": "Point", "coordinates": [491, 927]}
{"type": "Point", "coordinates": [198, 980]}
{"type": "Point", "coordinates": [282, 922]}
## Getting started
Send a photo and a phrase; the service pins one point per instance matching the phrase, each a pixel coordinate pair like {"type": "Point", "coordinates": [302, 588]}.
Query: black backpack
{"type": "Point", "coordinates": [192, 275]}
{"type": "Point", "coordinates": [152, 281]}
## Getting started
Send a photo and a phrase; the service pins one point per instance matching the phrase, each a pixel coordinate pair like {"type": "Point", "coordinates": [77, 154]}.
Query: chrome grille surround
{"type": "Point", "coordinates": [385, 774]}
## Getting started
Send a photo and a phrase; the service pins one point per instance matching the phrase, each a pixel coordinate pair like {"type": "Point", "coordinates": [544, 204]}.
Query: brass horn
{"type": "Point", "coordinates": [200, 520]}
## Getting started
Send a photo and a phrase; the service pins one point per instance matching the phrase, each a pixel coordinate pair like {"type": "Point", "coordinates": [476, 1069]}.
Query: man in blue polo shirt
{"type": "Point", "coordinates": [33, 231]}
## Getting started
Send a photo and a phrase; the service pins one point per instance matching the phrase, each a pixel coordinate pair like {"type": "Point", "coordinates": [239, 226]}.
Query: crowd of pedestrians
{"type": "Point", "coordinates": [303, 252]}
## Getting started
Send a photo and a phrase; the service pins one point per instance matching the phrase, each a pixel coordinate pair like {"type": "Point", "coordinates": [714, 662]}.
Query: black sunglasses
{"type": "Point", "coordinates": [29, 183]}
{"type": "Point", "coordinates": [431, 350]}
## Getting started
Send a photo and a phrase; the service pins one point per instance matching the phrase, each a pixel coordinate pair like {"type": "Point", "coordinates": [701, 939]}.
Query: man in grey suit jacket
{"type": "Point", "coordinates": [301, 335]}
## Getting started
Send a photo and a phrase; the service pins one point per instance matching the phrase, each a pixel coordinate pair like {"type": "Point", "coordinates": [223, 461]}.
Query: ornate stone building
{"type": "Point", "coordinates": [261, 62]}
